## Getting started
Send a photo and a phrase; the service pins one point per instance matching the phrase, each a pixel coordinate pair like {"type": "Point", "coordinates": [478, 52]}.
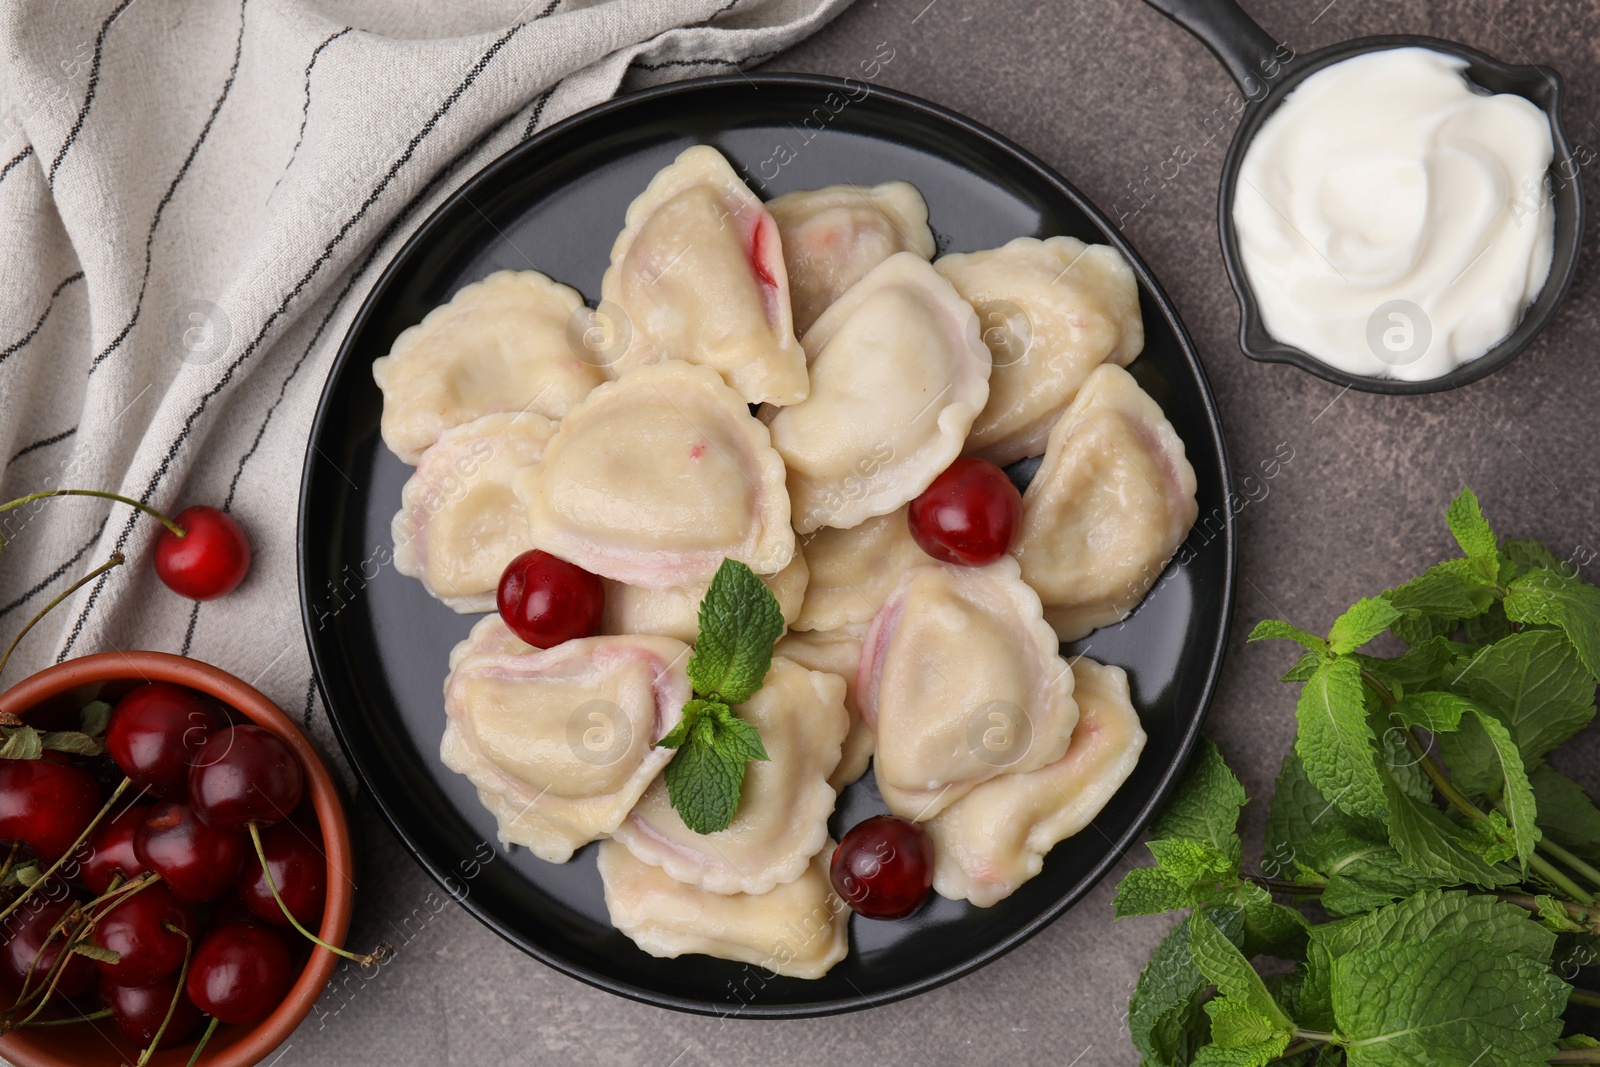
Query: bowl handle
{"type": "Point", "coordinates": [1246, 50]}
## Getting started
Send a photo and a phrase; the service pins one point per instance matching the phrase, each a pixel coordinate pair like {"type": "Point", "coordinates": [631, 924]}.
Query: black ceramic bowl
{"type": "Point", "coordinates": [380, 644]}
{"type": "Point", "coordinates": [1267, 72]}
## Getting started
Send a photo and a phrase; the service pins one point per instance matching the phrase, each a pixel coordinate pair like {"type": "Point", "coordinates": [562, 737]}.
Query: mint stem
{"type": "Point", "coordinates": [1576, 1055]}
{"type": "Point", "coordinates": [1584, 997]}
{"type": "Point", "coordinates": [1571, 861]}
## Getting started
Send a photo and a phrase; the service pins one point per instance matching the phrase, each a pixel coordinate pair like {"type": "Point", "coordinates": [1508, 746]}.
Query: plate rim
{"type": "Point", "coordinates": [1215, 658]}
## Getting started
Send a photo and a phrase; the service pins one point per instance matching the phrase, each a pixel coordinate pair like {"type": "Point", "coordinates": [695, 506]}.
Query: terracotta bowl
{"type": "Point", "coordinates": [106, 676]}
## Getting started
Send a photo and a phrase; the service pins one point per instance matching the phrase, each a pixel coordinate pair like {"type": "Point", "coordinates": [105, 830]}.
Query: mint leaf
{"type": "Point", "coordinates": [1335, 741]}
{"type": "Point", "coordinates": [21, 742]}
{"type": "Point", "coordinates": [95, 717]}
{"type": "Point", "coordinates": [1241, 1036]}
{"type": "Point", "coordinates": [1555, 600]}
{"type": "Point", "coordinates": [1578, 1041]}
{"type": "Point", "coordinates": [1445, 1000]}
{"type": "Point", "coordinates": [1566, 814]}
{"type": "Point", "coordinates": [1553, 915]}
{"type": "Point", "coordinates": [706, 775]}
{"type": "Point", "coordinates": [1471, 531]}
{"type": "Point", "coordinates": [1371, 878]}
{"type": "Point", "coordinates": [1453, 589]}
{"type": "Point", "coordinates": [1365, 619]}
{"type": "Point", "coordinates": [1441, 913]}
{"type": "Point", "coordinates": [1165, 1017]}
{"type": "Point", "coordinates": [740, 621]}
{"type": "Point", "coordinates": [1418, 628]}
{"type": "Point", "coordinates": [1205, 806]}
{"type": "Point", "coordinates": [1304, 667]}
{"type": "Point", "coordinates": [1483, 759]}
{"type": "Point", "coordinates": [79, 744]}
{"type": "Point", "coordinates": [1438, 713]}
{"type": "Point", "coordinates": [1534, 683]}
{"type": "Point", "coordinates": [1422, 666]}
{"type": "Point", "coordinates": [1270, 929]}
{"type": "Point", "coordinates": [1435, 846]}
{"type": "Point", "coordinates": [1186, 873]}
{"type": "Point", "coordinates": [1297, 809]}
{"type": "Point", "coordinates": [1220, 960]}
{"type": "Point", "coordinates": [1273, 629]}
{"type": "Point", "coordinates": [1519, 557]}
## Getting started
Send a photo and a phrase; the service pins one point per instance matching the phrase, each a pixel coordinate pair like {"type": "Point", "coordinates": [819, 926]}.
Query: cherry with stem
{"type": "Point", "coordinates": [377, 956]}
{"type": "Point", "coordinates": [177, 994]}
{"type": "Point", "coordinates": [111, 801]}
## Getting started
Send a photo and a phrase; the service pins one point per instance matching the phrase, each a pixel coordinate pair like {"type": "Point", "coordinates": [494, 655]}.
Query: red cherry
{"type": "Point", "coordinates": [299, 872]}
{"type": "Point", "coordinates": [249, 775]}
{"type": "Point", "coordinates": [240, 972]}
{"type": "Point", "coordinates": [198, 862]}
{"type": "Point", "coordinates": [111, 850]}
{"type": "Point", "coordinates": [30, 926]}
{"type": "Point", "coordinates": [46, 805]}
{"type": "Point", "coordinates": [139, 1011]}
{"type": "Point", "coordinates": [969, 515]}
{"type": "Point", "coordinates": [156, 731]}
{"type": "Point", "coordinates": [211, 557]}
{"type": "Point", "coordinates": [136, 929]}
{"type": "Point", "coordinates": [883, 868]}
{"type": "Point", "coordinates": [546, 600]}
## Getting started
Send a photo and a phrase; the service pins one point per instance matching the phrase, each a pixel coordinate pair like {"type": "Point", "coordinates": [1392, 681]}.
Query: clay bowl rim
{"type": "Point", "coordinates": [25, 1049]}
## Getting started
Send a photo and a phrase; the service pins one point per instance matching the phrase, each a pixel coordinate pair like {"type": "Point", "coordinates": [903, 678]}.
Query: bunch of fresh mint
{"type": "Point", "coordinates": [1443, 872]}
{"type": "Point", "coordinates": [740, 621]}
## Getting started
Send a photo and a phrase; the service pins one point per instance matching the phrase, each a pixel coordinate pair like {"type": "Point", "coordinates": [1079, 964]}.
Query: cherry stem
{"type": "Point", "coordinates": [183, 975]}
{"type": "Point", "coordinates": [211, 1028]}
{"type": "Point", "coordinates": [103, 495]}
{"type": "Point", "coordinates": [103, 1013]}
{"type": "Point", "coordinates": [11, 859]}
{"type": "Point", "coordinates": [81, 931]}
{"type": "Point", "coordinates": [116, 794]}
{"type": "Point", "coordinates": [116, 560]}
{"type": "Point", "coordinates": [378, 956]}
{"type": "Point", "coordinates": [24, 997]}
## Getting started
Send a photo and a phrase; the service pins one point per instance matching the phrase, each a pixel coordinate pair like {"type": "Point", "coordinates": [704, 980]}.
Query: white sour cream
{"type": "Point", "coordinates": [1393, 220]}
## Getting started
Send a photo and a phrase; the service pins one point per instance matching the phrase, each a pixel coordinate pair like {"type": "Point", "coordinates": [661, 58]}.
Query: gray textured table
{"type": "Point", "coordinates": [1102, 90]}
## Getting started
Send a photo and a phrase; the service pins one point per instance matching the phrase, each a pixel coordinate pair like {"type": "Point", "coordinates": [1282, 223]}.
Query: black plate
{"type": "Point", "coordinates": [379, 643]}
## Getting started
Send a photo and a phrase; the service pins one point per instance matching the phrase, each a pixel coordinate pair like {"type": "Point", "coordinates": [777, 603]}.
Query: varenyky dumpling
{"type": "Point", "coordinates": [655, 478]}
{"type": "Point", "coordinates": [836, 652]}
{"type": "Point", "coordinates": [1110, 504]}
{"type": "Point", "coordinates": [675, 611]}
{"type": "Point", "coordinates": [698, 275]}
{"type": "Point", "coordinates": [834, 235]}
{"type": "Point", "coordinates": [852, 572]}
{"type": "Point", "coordinates": [961, 680]}
{"type": "Point", "coordinates": [898, 373]}
{"type": "Point", "coordinates": [798, 929]}
{"type": "Point", "coordinates": [1050, 311]}
{"type": "Point", "coordinates": [783, 811]}
{"type": "Point", "coordinates": [498, 345]}
{"type": "Point", "coordinates": [995, 838]}
{"type": "Point", "coordinates": [459, 523]}
{"type": "Point", "coordinates": [560, 741]}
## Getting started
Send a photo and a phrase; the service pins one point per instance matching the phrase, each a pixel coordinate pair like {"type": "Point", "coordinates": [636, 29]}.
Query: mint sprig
{"type": "Point", "coordinates": [1460, 869]}
{"type": "Point", "coordinates": [740, 621]}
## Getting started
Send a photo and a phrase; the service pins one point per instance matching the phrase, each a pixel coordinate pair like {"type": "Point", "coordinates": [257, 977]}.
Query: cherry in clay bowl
{"type": "Point", "coordinates": [67, 686]}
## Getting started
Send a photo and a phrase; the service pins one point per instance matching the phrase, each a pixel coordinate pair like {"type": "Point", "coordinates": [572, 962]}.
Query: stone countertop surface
{"type": "Point", "coordinates": [1106, 91]}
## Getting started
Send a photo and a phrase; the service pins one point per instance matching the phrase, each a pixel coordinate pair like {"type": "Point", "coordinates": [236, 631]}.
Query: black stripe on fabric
{"type": "Point", "coordinates": [311, 691]}
{"type": "Point", "coordinates": [89, 93]}
{"type": "Point", "coordinates": [188, 635]}
{"type": "Point", "coordinates": [55, 574]}
{"type": "Point", "coordinates": [53, 439]}
{"type": "Point", "coordinates": [161, 208]}
{"type": "Point", "coordinates": [305, 110]}
{"type": "Point", "coordinates": [713, 60]}
{"type": "Point", "coordinates": [278, 312]}
{"type": "Point", "coordinates": [538, 110]}
{"type": "Point", "coordinates": [16, 346]}
{"type": "Point", "coordinates": [15, 161]}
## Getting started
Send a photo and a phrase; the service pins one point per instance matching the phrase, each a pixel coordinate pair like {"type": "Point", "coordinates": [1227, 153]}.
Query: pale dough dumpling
{"type": "Point", "coordinates": [995, 838]}
{"type": "Point", "coordinates": [961, 680]}
{"type": "Point", "coordinates": [898, 373]}
{"type": "Point", "coordinates": [459, 523]}
{"type": "Point", "coordinates": [655, 478]}
{"type": "Point", "coordinates": [783, 810]}
{"type": "Point", "coordinates": [1110, 504]}
{"type": "Point", "coordinates": [675, 611]}
{"type": "Point", "coordinates": [698, 275]}
{"type": "Point", "coordinates": [499, 345]}
{"type": "Point", "coordinates": [836, 652]}
{"type": "Point", "coordinates": [853, 571]}
{"type": "Point", "coordinates": [560, 742]}
{"type": "Point", "coordinates": [798, 929]}
{"type": "Point", "coordinates": [1051, 311]}
{"type": "Point", "coordinates": [834, 235]}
